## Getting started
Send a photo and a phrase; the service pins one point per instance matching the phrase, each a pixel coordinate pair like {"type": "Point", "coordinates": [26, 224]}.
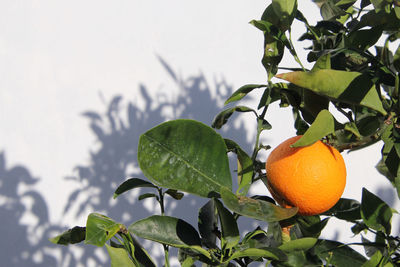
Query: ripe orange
{"type": "Point", "coordinates": [311, 178]}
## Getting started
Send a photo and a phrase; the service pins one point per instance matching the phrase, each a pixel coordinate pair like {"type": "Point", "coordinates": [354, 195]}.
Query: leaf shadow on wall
{"type": "Point", "coordinates": [24, 219]}
{"type": "Point", "coordinates": [117, 131]}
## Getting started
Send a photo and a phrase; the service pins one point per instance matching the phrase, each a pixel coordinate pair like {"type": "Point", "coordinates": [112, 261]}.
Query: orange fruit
{"type": "Point", "coordinates": [311, 178]}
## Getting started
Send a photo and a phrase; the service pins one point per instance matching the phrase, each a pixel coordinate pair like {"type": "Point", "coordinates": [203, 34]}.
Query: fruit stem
{"type": "Point", "coordinates": [286, 225]}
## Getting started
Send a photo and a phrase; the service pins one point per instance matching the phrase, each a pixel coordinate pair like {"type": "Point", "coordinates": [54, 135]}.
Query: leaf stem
{"type": "Point", "coordinates": [166, 248]}
{"type": "Point", "coordinates": [293, 51]}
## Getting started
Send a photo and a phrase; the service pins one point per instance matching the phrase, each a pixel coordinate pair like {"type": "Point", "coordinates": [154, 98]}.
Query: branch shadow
{"type": "Point", "coordinates": [24, 219]}
{"type": "Point", "coordinates": [117, 131]}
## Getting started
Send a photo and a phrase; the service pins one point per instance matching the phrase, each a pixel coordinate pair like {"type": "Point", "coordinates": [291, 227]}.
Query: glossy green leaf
{"type": "Point", "coordinates": [71, 236]}
{"type": "Point", "coordinates": [185, 155]}
{"type": "Point", "coordinates": [346, 209]}
{"type": "Point", "coordinates": [338, 254]}
{"type": "Point", "coordinates": [242, 92]}
{"type": "Point", "coordinates": [229, 229]}
{"type": "Point", "coordinates": [344, 86]}
{"type": "Point", "coordinates": [301, 244]}
{"type": "Point", "coordinates": [100, 228]}
{"type": "Point", "coordinates": [375, 213]}
{"type": "Point", "coordinates": [119, 257]}
{"type": "Point", "coordinates": [323, 125]}
{"type": "Point", "coordinates": [256, 209]}
{"type": "Point", "coordinates": [168, 230]}
{"type": "Point", "coordinates": [245, 167]}
{"type": "Point", "coordinates": [223, 116]}
{"type": "Point", "coordinates": [131, 184]}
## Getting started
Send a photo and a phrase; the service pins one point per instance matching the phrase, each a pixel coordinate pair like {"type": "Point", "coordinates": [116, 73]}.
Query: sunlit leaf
{"type": "Point", "coordinates": [119, 257]}
{"type": "Point", "coordinates": [185, 155]}
{"type": "Point", "coordinates": [255, 252]}
{"type": "Point", "coordinates": [100, 228]}
{"type": "Point", "coordinates": [298, 244]}
{"type": "Point", "coordinates": [256, 209]}
{"type": "Point", "coordinates": [344, 86]}
{"type": "Point", "coordinates": [323, 125]}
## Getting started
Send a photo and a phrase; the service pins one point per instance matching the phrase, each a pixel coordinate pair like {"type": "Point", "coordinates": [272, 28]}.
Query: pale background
{"type": "Point", "coordinates": [81, 80]}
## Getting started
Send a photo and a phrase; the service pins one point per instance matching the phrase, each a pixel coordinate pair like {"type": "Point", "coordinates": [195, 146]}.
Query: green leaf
{"type": "Point", "coordinates": [71, 236]}
{"type": "Point", "coordinates": [131, 184]}
{"type": "Point", "coordinates": [323, 125]}
{"type": "Point", "coordinates": [119, 257]}
{"type": "Point", "coordinates": [254, 252]}
{"type": "Point", "coordinates": [188, 262]}
{"type": "Point", "coordinates": [230, 231]}
{"type": "Point", "coordinates": [343, 86]}
{"type": "Point", "coordinates": [379, 4]}
{"type": "Point", "coordinates": [256, 209]}
{"type": "Point", "coordinates": [363, 39]}
{"type": "Point", "coordinates": [323, 62]}
{"type": "Point", "coordinates": [100, 228]}
{"type": "Point", "coordinates": [169, 231]}
{"type": "Point", "coordinates": [245, 167]}
{"type": "Point", "coordinates": [242, 92]}
{"type": "Point", "coordinates": [375, 260]}
{"type": "Point", "coordinates": [345, 2]}
{"type": "Point", "coordinates": [311, 226]}
{"type": "Point", "coordinates": [330, 11]}
{"type": "Point", "coordinates": [185, 155]}
{"type": "Point", "coordinates": [301, 244]}
{"type": "Point", "coordinates": [338, 254]}
{"type": "Point", "coordinates": [396, 57]}
{"type": "Point", "coordinates": [223, 116]}
{"type": "Point", "coordinates": [147, 195]}
{"type": "Point", "coordinates": [175, 194]}
{"type": "Point", "coordinates": [285, 10]}
{"type": "Point", "coordinates": [207, 224]}
{"type": "Point", "coordinates": [346, 209]}
{"type": "Point", "coordinates": [375, 213]}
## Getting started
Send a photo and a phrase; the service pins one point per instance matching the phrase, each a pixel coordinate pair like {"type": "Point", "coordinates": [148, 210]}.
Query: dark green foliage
{"type": "Point", "coordinates": [350, 74]}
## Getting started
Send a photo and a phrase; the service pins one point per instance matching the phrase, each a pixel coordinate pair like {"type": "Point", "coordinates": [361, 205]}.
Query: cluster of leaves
{"type": "Point", "coordinates": [352, 75]}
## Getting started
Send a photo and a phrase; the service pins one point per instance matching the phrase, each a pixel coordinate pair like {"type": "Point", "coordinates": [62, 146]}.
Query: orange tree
{"type": "Point", "coordinates": [351, 75]}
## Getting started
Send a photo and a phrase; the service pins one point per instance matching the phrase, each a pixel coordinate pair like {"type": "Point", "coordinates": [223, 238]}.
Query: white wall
{"type": "Point", "coordinates": [60, 59]}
